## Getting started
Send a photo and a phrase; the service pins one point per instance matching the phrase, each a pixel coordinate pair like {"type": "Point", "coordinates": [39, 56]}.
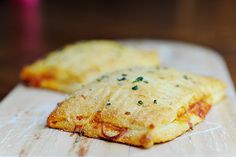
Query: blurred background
{"type": "Point", "coordinates": [31, 28]}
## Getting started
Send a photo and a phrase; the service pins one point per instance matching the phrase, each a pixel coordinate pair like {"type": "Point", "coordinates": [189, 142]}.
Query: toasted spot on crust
{"type": "Point", "coordinates": [146, 141]}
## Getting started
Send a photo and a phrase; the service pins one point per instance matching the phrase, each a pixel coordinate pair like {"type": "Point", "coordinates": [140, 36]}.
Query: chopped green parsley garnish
{"type": "Point", "coordinates": [185, 77]}
{"type": "Point", "coordinates": [121, 79]}
{"type": "Point", "coordinates": [100, 79]}
{"type": "Point", "coordinates": [155, 101]}
{"type": "Point", "coordinates": [146, 81]}
{"type": "Point", "coordinates": [135, 87]}
{"type": "Point", "coordinates": [177, 85]}
{"type": "Point", "coordinates": [140, 102]}
{"type": "Point", "coordinates": [108, 104]}
{"type": "Point", "coordinates": [138, 79]}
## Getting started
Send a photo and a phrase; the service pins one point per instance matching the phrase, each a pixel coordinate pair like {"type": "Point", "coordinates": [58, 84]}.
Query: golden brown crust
{"type": "Point", "coordinates": [69, 68]}
{"type": "Point", "coordinates": [149, 106]}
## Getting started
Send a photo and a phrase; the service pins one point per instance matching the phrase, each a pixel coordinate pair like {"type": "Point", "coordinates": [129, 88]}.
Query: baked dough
{"type": "Point", "coordinates": [138, 106]}
{"type": "Point", "coordinates": [67, 69]}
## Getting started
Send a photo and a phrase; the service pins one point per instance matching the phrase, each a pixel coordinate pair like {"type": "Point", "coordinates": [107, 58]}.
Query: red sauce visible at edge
{"type": "Point", "coordinates": [36, 80]}
{"type": "Point", "coordinates": [120, 131]}
{"type": "Point", "coordinates": [201, 109]}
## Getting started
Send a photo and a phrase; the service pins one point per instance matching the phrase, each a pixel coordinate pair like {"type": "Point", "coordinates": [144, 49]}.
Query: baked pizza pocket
{"type": "Point", "coordinates": [75, 65]}
{"type": "Point", "coordinates": [138, 106]}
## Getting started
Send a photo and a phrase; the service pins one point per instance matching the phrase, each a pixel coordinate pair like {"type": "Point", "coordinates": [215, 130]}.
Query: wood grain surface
{"type": "Point", "coordinates": [27, 33]}
{"type": "Point", "coordinates": [24, 111]}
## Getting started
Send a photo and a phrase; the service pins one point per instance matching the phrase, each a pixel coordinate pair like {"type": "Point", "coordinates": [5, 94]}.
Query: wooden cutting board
{"type": "Point", "coordinates": [24, 111]}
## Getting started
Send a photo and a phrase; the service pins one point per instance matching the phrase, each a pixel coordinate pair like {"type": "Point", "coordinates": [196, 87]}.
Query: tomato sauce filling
{"type": "Point", "coordinates": [108, 131]}
{"type": "Point", "coordinates": [199, 109]}
{"type": "Point", "coordinates": [112, 132]}
{"type": "Point", "coordinates": [36, 80]}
